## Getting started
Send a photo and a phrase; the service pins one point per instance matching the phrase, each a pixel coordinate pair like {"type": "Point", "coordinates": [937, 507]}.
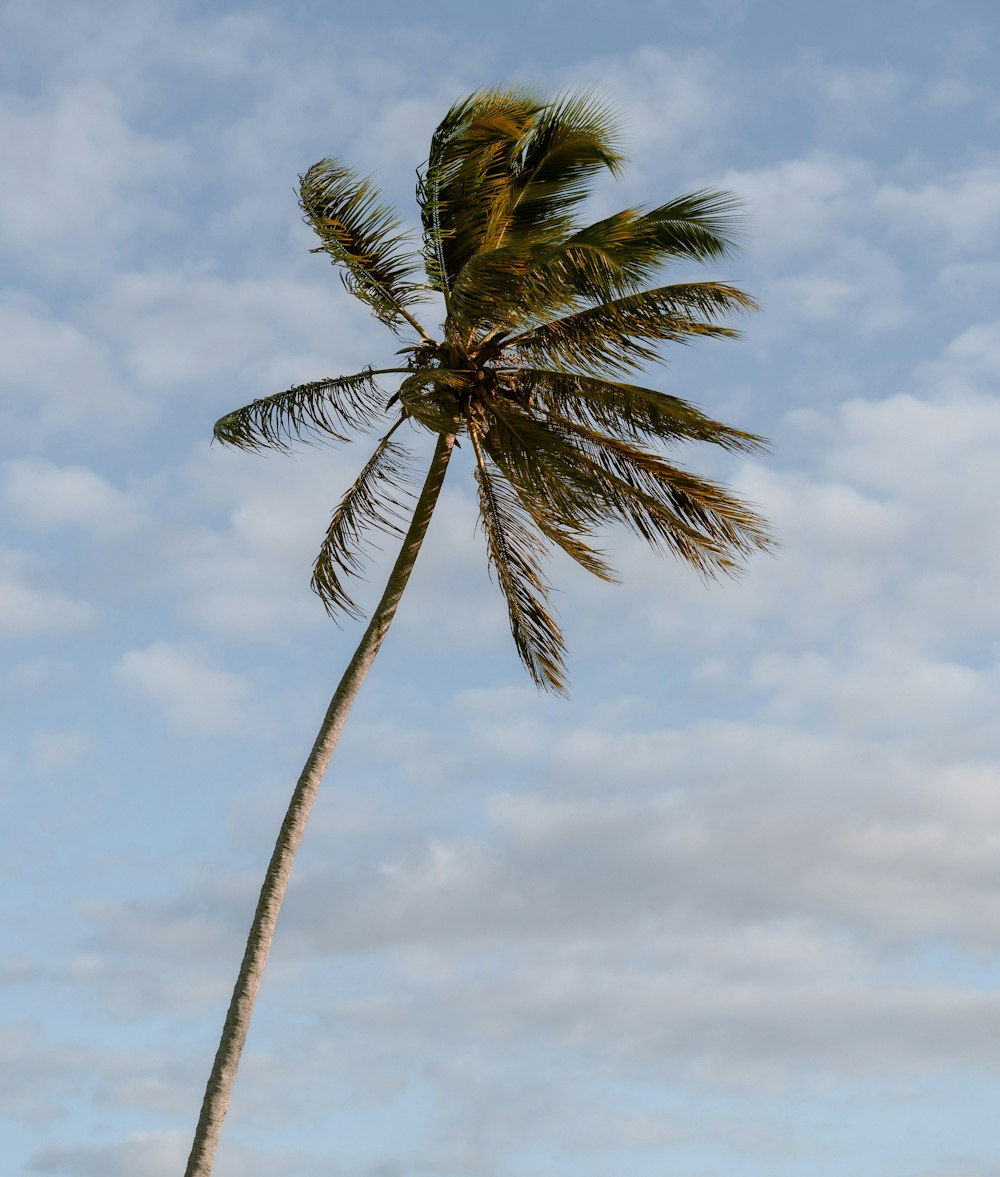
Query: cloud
{"type": "Point", "coordinates": [19, 968]}
{"type": "Point", "coordinates": [164, 1154]}
{"type": "Point", "coordinates": [190, 692]}
{"type": "Point", "coordinates": [181, 327]}
{"type": "Point", "coordinates": [798, 206]}
{"type": "Point", "coordinates": [248, 576]}
{"type": "Point", "coordinates": [702, 100]}
{"type": "Point", "coordinates": [56, 750]}
{"type": "Point", "coordinates": [155, 1154]}
{"type": "Point", "coordinates": [56, 377]}
{"type": "Point", "coordinates": [77, 142]}
{"type": "Point", "coordinates": [627, 902]}
{"type": "Point", "coordinates": [36, 1074]}
{"type": "Point", "coordinates": [40, 495]}
{"type": "Point", "coordinates": [860, 285]}
{"type": "Point", "coordinates": [861, 100]}
{"type": "Point", "coordinates": [26, 609]}
{"type": "Point", "coordinates": [975, 351]}
{"type": "Point", "coordinates": [960, 211]}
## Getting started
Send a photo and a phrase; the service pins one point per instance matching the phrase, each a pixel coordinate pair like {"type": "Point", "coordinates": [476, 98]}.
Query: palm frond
{"type": "Point", "coordinates": [670, 508]}
{"type": "Point", "coordinates": [629, 409]}
{"type": "Point", "coordinates": [561, 510]}
{"type": "Point", "coordinates": [376, 501]}
{"type": "Point", "coordinates": [608, 259]}
{"type": "Point", "coordinates": [544, 469]}
{"type": "Point", "coordinates": [592, 479]}
{"type": "Point", "coordinates": [467, 176]}
{"type": "Point", "coordinates": [522, 285]}
{"type": "Point", "coordinates": [502, 288]}
{"type": "Point", "coordinates": [569, 539]}
{"type": "Point", "coordinates": [572, 139]}
{"type": "Point", "coordinates": [514, 552]}
{"type": "Point", "coordinates": [326, 407]}
{"type": "Point", "coordinates": [608, 338]}
{"type": "Point", "coordinates": [359, 232]}
{"type": "Point", "coordinates": [700, 226]}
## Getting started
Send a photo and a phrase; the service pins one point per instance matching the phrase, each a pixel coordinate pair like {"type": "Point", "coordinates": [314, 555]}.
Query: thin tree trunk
{"type": "Point", "coordinates": [234, 1032]}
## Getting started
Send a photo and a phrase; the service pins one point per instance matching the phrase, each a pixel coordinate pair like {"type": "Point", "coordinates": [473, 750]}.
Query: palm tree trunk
{"type": "Point", "coordinates": [234, 1032]}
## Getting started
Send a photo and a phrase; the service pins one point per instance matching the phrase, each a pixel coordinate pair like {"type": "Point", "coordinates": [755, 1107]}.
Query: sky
{"type": "Point", "coordinates": [733, 909]}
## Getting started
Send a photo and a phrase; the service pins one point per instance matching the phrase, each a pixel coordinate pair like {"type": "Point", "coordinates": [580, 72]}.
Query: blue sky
{"type": "Point", "coordinates": [734, 909]}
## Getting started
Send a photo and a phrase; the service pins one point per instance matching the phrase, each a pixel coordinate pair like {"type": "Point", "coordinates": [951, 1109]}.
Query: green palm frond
{"type": "Point", "coordinates": [514, 552]}
{"type": "Point", "coordinates": [376, 501]}
{"type": "Point", "coordinates": [701, 226]}
{"type": "Point", "coordinates": [593, 479]}
{"type": "Point", "coordinates": [523, 285]}
{"type": "Point", "coordinates": [641, 413]}
{"type": "Point", "coordinates": [503, 288]}
{"type": "Point", "coordinates": [607, 338]}
{"type": "Point", "coordinates": [504, 167]}
{"type": "Point", "coordinates": [326, 407]}
{"type": "Point", "coordinates": [543, 467]}
{"type": "Point", "coordinates": [359, 232]}
{"type": "Point", "coordinates": [670, 508]}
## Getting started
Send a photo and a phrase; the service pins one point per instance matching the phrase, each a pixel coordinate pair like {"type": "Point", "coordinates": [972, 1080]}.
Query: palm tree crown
{"type": "Point", "coordinates": [543, 318]}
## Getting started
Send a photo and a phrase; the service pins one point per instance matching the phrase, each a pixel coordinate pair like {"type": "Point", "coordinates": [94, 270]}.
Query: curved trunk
{"type": "Point", "coordinates": [234, 1032]}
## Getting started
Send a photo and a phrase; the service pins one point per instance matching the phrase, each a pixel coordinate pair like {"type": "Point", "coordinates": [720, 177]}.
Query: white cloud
{"type": "Point", "coordinates": [164, 1154]}
{"type": "Point", "coordinates": [860, 100]}
{"type": "Point", "coordinates": [977, 349]}
{"type": "Point", "coordinates": [801, 205]}
{"type": "Point", "coordinates": [27, 609]}
{"type": "Point", "coordinates": [859, 285]}
{"type": "Point", "coordinates": [962, 210]}
{"type": "Point", "coordinates": [702, 102]}
{"type": "Point", "coordinates": [190, 692]}
{"type": "Point", "coordinates": [36, 1074]}
{"type": "Point", "coordinates": [249, 577]}
{"type": "Point", "coordinates": [178, 327]}
{"type": "Point", "coordinates": [154, 1154]}
{"type": "Point", "coordinates": [79, 178]}
{"type": "Point", "coordinates": [39, 494]}
{"type": "Point", "coordinates": [56, 377]}
{"type": "Point", "coordinates": [20, 968]}
{"type": "Point", "coordinates": [623, 897]}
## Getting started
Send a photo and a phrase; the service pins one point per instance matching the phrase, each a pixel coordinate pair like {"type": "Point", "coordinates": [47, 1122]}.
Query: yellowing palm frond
{"type": "Point", "coordinates": [360, 233]}
{"type": "Point", "coordinates": [467, 177]}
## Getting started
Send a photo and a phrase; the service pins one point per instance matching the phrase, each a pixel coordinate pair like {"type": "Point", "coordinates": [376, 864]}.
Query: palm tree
{"type": "Point", "coordinates": [542, 318]}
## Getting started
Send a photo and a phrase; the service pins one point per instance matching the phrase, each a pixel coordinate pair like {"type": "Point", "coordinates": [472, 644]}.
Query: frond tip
{"type": "Point", "coordinates": [514, 550]}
